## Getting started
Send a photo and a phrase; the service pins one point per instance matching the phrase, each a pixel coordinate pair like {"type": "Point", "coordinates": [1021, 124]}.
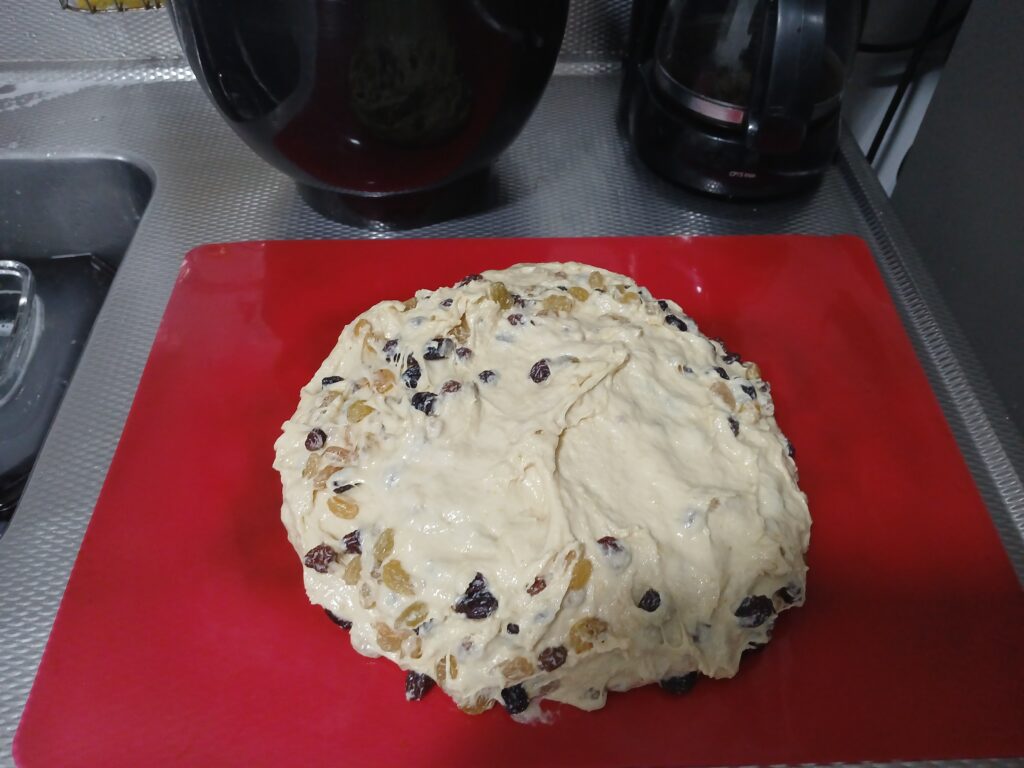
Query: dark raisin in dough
{"type": "Point", "coordinates": [316, 439]}
{"type": "Point", "coordinates": [754, 611]}
{"type": "Point", "coordinates": [650, 601]}
{"type": "Point", "coordinates": [552, 658]}
{"type": "Point", "coordinates": [417, 685]}
{"type": "Point", "coordinates": [540, 371]}
{"type": "Point", "coordinates": [680, 684]}
{"type": "Point", "coordinates": [478, 602]}
{"type": "Point", "coordinates": [343, 623]}
{"type": "Point", "coordinates": [411, 374]}
{"type": "Point", "coordinates": [320, 557]}
{"type": "Point", "coordinates": [425, 402]}
{"type": "Point", "coordinates": [438, 349]}
{"type": "Point", "coordinates": [676, 322]}
{"type": "Point", "coordinates": [353, 543]}
{"type": "Point", "coordinates": [515, 699]}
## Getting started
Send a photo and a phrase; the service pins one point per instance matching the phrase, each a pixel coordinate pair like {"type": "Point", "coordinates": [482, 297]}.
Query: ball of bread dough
{"type": "Point", "coordinates": [543, 483]}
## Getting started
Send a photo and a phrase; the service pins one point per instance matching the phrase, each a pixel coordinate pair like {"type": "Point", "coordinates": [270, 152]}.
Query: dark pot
{"type": "Point", "coordinates": [375, 107]}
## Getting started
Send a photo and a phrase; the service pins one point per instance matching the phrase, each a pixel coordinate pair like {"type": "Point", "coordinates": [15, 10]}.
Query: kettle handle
{"type": "Point", "coordinates": [787, 75]}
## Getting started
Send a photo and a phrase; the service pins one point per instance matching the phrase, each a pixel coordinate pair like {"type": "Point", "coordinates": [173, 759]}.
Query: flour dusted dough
{"type": "Point", "coordinates": [543, 483]}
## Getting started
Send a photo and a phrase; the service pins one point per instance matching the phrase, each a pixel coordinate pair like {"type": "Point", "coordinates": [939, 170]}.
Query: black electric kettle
{"type": "Point", "coordinates": [739, 97]}
{"type": "Point", "coordinates": [383, 111]}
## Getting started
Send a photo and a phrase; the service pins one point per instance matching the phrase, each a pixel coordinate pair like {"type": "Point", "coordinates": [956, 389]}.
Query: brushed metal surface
{"type": "Point", "coordinates": [40, 31]}
{"type": "Point", "coordinates": [570, 173]}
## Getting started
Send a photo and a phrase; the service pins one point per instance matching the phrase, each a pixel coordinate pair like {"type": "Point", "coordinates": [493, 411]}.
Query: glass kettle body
{"type": "Point", "coordinates": [739, 97]}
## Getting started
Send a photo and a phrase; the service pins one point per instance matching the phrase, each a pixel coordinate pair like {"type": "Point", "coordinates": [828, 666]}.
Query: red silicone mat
{"type": "Point", "coordinates": [185, 637]}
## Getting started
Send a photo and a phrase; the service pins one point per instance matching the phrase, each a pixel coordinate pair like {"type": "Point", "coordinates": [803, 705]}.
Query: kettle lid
{"type": "Point", "coordinates": [717, 58]}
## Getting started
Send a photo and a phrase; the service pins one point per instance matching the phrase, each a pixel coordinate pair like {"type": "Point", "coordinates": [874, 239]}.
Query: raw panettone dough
{"type": "Point", "coordinates": [543, 483]}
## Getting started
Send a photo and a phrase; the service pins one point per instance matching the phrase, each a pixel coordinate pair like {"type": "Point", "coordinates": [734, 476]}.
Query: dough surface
{"type": "Point", "coordinates": [543, 483]}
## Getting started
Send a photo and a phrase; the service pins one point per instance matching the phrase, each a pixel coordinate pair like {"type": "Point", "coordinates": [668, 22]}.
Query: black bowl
{"type": "Point", "coordinates": [375, 107]}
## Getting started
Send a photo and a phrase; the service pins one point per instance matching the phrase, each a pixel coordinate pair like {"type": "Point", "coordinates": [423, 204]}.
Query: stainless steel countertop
{"type": "Point", "coordinates": [569, 174]}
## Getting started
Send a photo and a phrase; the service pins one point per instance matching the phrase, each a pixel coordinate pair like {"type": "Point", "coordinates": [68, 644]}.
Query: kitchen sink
{"type": "Point", "coordinates": [65, 225]}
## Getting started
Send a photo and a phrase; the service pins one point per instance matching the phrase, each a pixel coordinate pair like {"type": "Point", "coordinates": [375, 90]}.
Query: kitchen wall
{"type": "Point", "coordinates": [875, 76]}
